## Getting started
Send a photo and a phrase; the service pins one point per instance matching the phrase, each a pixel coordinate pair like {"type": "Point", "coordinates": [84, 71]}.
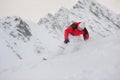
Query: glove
{"type": "Point", "coordinates": [86, 34]}
{"type": "Point", "coordinates": [66, 41]}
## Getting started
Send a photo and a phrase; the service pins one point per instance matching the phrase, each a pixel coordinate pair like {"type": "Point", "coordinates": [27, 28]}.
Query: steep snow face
{"type": "Point", "coordinates": [90, 60]}
{"type": "Point", "coordinates": [14, 31]}
{"type": "Point", "coordinates": [14, 35]}
{"type": "Point", "coordinates": [100, 21]}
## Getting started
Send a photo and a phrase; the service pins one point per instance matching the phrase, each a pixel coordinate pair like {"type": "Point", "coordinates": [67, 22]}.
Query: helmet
{"type": "Point", "coordinates": [81, 26]}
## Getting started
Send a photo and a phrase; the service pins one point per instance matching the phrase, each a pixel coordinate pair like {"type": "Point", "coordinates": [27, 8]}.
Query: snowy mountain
{"type": "Point", "coordinates": [24, 38]}
{"type": "Point", "coordinates": [37, 52]}
{"type": "Point", "coordinates": [14, 30]}
{"type": "Point", "coordinates": [98, 18]}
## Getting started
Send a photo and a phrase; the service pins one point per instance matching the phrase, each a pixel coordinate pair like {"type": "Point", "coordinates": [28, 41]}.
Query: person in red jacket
{"type": "Point", "coordinates": [76, 29]}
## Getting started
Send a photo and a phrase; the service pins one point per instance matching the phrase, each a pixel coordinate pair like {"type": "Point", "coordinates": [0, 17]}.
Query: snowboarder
{"type": "Point", "coordinates": [76, 29]}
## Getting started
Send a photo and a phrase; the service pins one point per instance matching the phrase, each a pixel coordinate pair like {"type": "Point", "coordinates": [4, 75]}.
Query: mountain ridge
{"type": "Point", "coordinates": [92, 14]}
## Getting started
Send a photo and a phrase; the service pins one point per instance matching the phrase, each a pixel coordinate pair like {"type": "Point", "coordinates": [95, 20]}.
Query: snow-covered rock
{"type": "Point", "coordinates": [15, 27]}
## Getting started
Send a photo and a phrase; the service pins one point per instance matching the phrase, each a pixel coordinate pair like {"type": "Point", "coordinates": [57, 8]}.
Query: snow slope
{"type": "Point", "coordinates": [30, 51]}
{"type": "Point", "coordinates": [94, 60]}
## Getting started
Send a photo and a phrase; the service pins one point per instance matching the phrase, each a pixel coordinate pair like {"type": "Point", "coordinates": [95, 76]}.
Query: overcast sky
{"type": "Point", "coordinates": [35, 9]}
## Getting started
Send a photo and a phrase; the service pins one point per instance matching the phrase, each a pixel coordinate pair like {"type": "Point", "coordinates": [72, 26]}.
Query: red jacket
{"type": "Point", "coordinates": [75, 31]}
